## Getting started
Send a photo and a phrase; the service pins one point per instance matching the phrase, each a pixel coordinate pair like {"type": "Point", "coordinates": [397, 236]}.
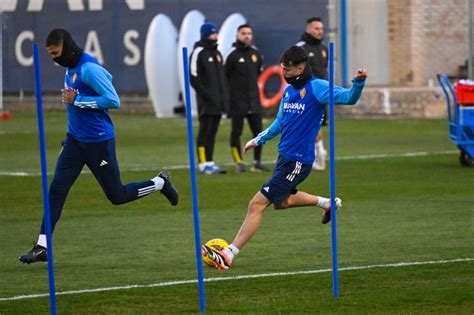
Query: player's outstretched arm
{"type": "Point", "coordinates": [342, 96]}
{"type": "Point", "coordinates": [272, 131]}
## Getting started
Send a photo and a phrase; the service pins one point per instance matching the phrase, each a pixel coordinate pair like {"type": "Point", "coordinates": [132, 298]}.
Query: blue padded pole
{"type": "Point", "coordinates": [335, 281]}
{"type": "Point", "coordinates": [192, 170]}
{"type": "Point", "coordinates": [44, 177]}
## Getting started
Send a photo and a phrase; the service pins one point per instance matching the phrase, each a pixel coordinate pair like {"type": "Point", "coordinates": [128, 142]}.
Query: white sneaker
{"type": "Point", "coordinates": [326, 218]}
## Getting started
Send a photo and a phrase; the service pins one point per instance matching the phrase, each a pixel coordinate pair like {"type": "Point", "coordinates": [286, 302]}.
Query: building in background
{"type": "Point", "coordinates": [407, 42]}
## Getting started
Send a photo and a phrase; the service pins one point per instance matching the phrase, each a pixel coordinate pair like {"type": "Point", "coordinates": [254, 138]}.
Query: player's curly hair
{"type": "Point", "coordinates": [294, 56]}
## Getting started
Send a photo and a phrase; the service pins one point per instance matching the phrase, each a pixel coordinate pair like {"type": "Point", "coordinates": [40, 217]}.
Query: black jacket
{"type": "Point", "coordinates": [243, 65]}
{"type": "Point", "coordinates": [317, 55]}
{"type": "Point", "coordinates": [207, 77]}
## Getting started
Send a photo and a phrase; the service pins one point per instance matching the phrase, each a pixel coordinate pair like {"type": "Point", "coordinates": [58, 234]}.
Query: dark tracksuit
{"type": "Point", "coordinates": [208, 79]}
{"type": "Point", "coordinates": [243, 65]}
{"type": "Point", "coordinates": [317, 58]}
{"type": "Point", "coordinates": [90, 140]}
{"type": "Point", "coordinates": [317, 55]}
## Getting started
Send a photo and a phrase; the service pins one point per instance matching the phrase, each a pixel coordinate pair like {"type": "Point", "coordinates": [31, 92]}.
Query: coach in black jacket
{"type": "Point", "coordinates": [208, 79]}
{"type": "Point", "coordinates": [243, 65]}
{"type": "Point", "coordinates": [311, 41]}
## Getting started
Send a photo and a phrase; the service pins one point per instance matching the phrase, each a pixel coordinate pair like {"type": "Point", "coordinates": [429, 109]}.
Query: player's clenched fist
{"type": "Point", "coordinates": [361, 74]}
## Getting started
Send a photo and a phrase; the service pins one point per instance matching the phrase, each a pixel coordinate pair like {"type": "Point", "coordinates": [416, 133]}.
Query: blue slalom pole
{"type": "Point", "coordinates": [192, 170]}
{"type": "Point", "coordinates": [335, 281]}
{"type": "Point", "coordinates": [44, 177]}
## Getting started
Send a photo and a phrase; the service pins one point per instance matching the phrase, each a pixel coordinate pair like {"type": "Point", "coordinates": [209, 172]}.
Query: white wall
{"type": "Point", "coordinates": [368, 39]}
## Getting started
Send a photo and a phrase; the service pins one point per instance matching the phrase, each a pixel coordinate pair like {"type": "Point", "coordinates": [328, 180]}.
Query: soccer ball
{"type": "Point", "coordinates": [217, 244]}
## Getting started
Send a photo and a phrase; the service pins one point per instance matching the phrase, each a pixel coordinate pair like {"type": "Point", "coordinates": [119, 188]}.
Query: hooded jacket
{"type": "Point", "coordinates": [207, 77]}
{"type": "Point", "coordinates": [243, 65]}
{"type": "Point", "coordinates": [317, 55]}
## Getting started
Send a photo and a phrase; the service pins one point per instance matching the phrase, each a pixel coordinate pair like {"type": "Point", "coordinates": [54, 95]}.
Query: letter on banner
{"type": "Point", "coordinates": [134, 58]}
{"type": "Point", "coordinates": [92, 46]}
{"type": "Point", "coordinates": [22, 59]}
{"type": "Point", "coordinates": [35, 5]}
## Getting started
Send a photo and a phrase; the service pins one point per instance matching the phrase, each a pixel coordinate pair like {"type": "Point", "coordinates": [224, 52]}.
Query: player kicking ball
{"type": "Point", "coordinates": [298, 121]}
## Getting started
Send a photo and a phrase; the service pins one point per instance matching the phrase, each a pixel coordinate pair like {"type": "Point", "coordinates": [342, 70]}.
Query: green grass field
{"type": "Point", "coordinates": [412, 203]}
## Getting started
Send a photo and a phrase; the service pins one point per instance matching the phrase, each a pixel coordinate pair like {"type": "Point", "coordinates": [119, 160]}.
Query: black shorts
{"type": "Point", "coordinates": [286, 176]}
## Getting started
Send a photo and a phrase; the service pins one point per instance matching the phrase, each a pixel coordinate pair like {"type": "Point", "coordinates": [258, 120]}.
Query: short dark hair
{"type": "Point", "coordinates": [243, 26]}
{"type": "Point", "coordinates": [314, 19]}
{"type": "Point", "coordinates": [294, 56]}
{"type": "Point", "coordinates": [55, 37]}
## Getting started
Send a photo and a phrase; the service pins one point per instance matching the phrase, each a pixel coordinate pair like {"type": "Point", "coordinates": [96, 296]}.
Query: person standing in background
{"type": "Point", "coordinates": [311, 41]}
{"type": "Point", "coordinates": [243, 64]}
{"type": "Point", "coordinates": [207, 77]}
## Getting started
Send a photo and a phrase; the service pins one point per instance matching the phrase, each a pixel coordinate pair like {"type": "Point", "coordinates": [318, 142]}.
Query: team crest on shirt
{"type": "Point", "coordinates": [219, 59]}
{"type": "Point", "coordinates": [74, 77]}
{"type": "Point", "coordinates": [254, 58]}
{"type": "Point", "coordinates": [303, 93]}
{"type": "Point", "coordinates": [323, 53]}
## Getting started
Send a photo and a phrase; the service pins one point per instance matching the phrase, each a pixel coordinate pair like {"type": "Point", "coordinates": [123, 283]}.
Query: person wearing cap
{"type": "Point", "coordinates": [207, 77]}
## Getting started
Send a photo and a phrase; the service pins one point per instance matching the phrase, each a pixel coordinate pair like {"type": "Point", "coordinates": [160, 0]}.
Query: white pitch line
{"type": "Point", "coordinates": [185, 166]}
{"type": "Point", "coordinates": [264, 275]}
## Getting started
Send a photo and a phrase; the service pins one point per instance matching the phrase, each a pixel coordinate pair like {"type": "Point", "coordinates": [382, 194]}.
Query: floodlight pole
{"type": "Point", "coordinates": [335, 281]}
{"type": "Point", "coordinates": [192, 170]}
{"type": "Point", "coordinates": [44, 177]}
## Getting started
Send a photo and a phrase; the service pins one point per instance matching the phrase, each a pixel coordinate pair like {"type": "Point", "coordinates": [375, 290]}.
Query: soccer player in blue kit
{"type": "Point", "coordinates": [298, 121]}
{"type": "Point", "coordinates": [88, 95]}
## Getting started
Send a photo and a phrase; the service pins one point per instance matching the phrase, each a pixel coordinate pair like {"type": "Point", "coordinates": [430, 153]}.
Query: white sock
{"type": "Point", "coordinates": [42, 240]}
{"type": "Point", "coordinates": [320, 146]}
{"type": "Point", "coordinates": [231, 251]}
{"type": "Point", "coordinates": [159, 182]}
{"type": "Point", "coordinates": [323, 203]}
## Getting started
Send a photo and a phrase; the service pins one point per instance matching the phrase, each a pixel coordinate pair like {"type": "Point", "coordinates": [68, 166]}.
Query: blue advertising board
{"type": "Point", "coordinates": [114, 31]}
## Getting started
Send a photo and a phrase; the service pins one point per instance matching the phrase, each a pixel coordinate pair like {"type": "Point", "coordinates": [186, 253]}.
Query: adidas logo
{"type": "Point", "coordinates": [104, 162]}
{"type": "Point", "coordinates": [266, 188]}
{"type": "Point", "coordinates": [311, 54]}
{"type": "Point", "coordinates": [210, 59]}
{"type": "Point", "coordinates": [241, 60]}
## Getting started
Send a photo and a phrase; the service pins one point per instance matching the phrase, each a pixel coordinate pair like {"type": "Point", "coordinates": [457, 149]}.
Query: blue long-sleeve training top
{"type": "Point", "coordinates": [301, 114]}
{"type": "Point", "coordinates": [88, 117]}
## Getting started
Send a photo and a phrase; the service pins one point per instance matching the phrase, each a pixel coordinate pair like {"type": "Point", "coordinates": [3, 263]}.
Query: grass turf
{"type": "Point", "coordinates": [395, 209]}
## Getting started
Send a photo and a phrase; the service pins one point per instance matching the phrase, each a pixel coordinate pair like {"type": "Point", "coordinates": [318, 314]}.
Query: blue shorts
{"type": "Point", "coordinates": [286, 176]}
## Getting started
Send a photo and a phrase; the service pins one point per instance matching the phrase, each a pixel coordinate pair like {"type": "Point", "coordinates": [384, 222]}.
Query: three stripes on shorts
{"type": "Point", "coordinates": [295, 172]}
